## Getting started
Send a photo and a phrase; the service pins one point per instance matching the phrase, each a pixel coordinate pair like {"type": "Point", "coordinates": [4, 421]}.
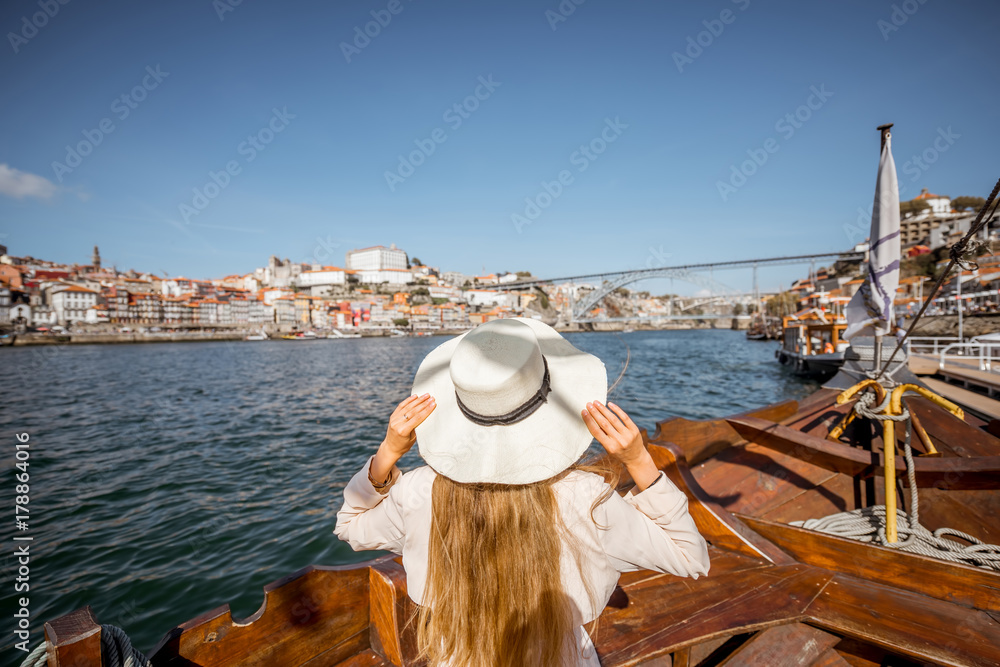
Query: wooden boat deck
{"type": "Point", "coordinates": [776, 595]}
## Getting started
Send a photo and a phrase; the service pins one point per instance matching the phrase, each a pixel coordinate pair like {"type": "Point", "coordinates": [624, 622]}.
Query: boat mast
{"type": "Point", "coordinates": [877, 360]}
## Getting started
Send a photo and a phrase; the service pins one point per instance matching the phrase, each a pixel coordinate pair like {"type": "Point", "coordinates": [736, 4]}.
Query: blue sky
{"type": "Point", "coordinates": [613, 120]}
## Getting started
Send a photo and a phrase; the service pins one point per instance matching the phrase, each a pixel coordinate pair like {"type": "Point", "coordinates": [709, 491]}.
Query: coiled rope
{"type": "Point", "coordinates": [868, 523]}
{"type": "Point", "coordinates": [116, 651]}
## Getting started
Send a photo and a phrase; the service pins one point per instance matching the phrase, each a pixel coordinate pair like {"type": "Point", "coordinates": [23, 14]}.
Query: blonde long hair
{"type": "Point", "coordinates": [493, 596]}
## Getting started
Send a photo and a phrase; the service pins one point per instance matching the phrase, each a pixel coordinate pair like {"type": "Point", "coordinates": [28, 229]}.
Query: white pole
{"type": "Point", "coordinates": [960, 304]}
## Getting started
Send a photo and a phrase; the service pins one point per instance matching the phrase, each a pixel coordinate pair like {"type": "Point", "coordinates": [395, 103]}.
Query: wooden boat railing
{"type": "Point", "coordinates": [799, 593]}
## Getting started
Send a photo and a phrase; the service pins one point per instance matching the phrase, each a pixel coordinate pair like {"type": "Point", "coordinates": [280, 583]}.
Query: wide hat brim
{"type": "Point", "coordinates": [538, 447]}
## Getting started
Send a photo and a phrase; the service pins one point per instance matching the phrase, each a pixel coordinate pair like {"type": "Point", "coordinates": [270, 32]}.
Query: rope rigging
{"type": "Point", "coordinates": [962, 253]}
{"type": "Point", "coordinates": [875, 524]}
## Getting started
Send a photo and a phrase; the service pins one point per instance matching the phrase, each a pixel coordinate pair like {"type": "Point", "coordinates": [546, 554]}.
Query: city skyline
{"type": "Point", "coordinates": [504, 137]}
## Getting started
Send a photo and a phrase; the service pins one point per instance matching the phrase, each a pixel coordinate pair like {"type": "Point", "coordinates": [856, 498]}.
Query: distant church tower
{"type": "Point", "coordinates": [96, 259]}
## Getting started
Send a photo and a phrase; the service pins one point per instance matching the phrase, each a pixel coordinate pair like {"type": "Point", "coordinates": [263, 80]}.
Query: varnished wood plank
{"type": "Point", "coordinates": [860, 654]}
{"type": "Point", "coordinates": [949, 434]}
{"type": "Point", "coordinates": [830, 658]}
{"type": "Point", "coordinates": [974, 512]}
{"type": "Point", "coordinates": [951, 582]}
{"type": "Point", "coordinates": [838, 493]}
{"type": "Point", "coordinates": [789, 645]}
{"type": "Point", "coordinates": [74, 640]}
{"type": "Point", "coordinates": [701, 439]}
{"type": "Point", "coordinates": [304, 615]}
{"type": "Point", "coordinates": [664, 617]}
{"type": "Point", "coordinates": [907, 623]}
{"type": "Point", "coordinates": [717, 525]}
{"type": "Point", "coordinates": [699, 652]}
{"type": "Point", "coordinates": [754, 480]}
{"type": "Point", "coordinates": [391, 608]}
{"type": "Point", "coordinates": [366, 658]}
{"type": "Point", "coordinates": [944, 472]}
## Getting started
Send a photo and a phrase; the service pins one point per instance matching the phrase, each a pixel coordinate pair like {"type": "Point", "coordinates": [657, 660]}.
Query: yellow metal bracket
{"type": "Point", "coordinates": [894, 408]}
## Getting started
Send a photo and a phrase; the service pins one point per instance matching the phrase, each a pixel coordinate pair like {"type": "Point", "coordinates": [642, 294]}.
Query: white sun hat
{"type": "Point", "coordinates": [509, 395]}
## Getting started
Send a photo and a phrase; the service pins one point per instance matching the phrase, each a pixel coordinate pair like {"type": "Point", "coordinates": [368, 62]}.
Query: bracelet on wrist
{"type": "Point", "coordinates": [379, 485]}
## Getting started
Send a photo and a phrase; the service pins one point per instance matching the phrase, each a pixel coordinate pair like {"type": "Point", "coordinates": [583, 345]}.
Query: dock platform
{"type": "Point", "coordinates": [960, 382]}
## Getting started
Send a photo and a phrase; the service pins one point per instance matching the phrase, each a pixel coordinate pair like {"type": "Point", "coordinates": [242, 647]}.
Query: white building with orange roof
{"type": "Point", "coordinates": [322, 280]}
{"type": "Point", "coordinates": [251, 283]}
{"type": "Point", "coordinates": [149, 308]}
{"type": "Point", "coordinates": [939, 204]}
{"type": "Point", "coordinates": [70, 303]}
{"type": "Point", "coordinates": [489, 298]}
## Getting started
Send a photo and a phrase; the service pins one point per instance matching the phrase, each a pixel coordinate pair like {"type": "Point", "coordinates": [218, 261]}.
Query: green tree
{"type": "Point", "coordinates": [966, 203]}
{"type": "Point", "coordinates": [401, 322]}
{"type": "Point", "coordinates": [416, 262]}
{"type": "Point", "coordinates": [524, 274]}
{"type": "Point", "coordinates": [912, 207]}
{"type": "Point", "coordinates": [737, 309]}
{"type": "Point", "coordinates": [784, 303]}
{"type": "Point", "coordinates": [421, 291]}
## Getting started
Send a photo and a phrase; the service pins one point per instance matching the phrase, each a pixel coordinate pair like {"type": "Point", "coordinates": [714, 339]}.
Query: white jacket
{"type": "Point", "coordinates": [648, 530]}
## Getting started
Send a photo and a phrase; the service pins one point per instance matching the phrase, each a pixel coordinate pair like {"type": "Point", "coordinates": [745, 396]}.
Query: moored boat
{"type": "Point", "coordinates": [811, 343]}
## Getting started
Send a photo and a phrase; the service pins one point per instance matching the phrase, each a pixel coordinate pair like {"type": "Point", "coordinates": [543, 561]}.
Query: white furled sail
{"type": "Point", "coordinates": [870, 309]}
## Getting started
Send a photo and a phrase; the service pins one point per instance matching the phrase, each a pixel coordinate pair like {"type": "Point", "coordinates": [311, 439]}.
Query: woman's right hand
{"type": "Point", "coordinates": [400, 436]}
{"type": "Point", "coordinates": [621, 438]}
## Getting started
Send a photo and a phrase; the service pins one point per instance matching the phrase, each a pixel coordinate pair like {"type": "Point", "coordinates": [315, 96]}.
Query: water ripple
{"type": "Point", "coordinates": [168, 479]}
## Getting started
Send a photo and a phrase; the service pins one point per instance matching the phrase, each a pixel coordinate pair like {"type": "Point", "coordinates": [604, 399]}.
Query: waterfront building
{"type": "Point", "coordinates": [10, 276]}
{"type": "Point", "coordinates": [284, 309]}
{"type": "Point", "coordinates": [384, 276]}
{"type": "Point", "coordinates": [149, 307]}
{"type": "Point", "coordinates": [70, 303]}
{"type": "Point", "coordinates": [239, 309]}
{"type": "Point", "coordinates": [376, 258]}
{"type": "Point", "coordinates": [489, 298]}
{"type": "Point", "coordinates": [175, 310]}
{"type": "Point", "coordinates": [445, 292]}
{"type": "Point", "coordinates": [455, 278]}
{"type": "Point", "coordinates": [323, 281]}
{"type": "Point", "coordinates": [327, 275]}
{"type": "Point", "coordinates": [4, 305]}
{"type": "Point", "coordinates": [279, 273]}
{"type": "Point", "coordinates": [916, 230]}
{"type": "Point", "coordinates": [98, 314]}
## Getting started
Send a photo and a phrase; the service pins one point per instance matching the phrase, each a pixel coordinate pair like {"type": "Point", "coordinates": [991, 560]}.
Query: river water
{"type": "Point", "coordinates": [168, 479]}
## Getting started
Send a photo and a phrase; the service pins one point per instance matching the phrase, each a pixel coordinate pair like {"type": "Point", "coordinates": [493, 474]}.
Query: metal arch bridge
{"type": "Point", "coordinates": [690, 273]}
